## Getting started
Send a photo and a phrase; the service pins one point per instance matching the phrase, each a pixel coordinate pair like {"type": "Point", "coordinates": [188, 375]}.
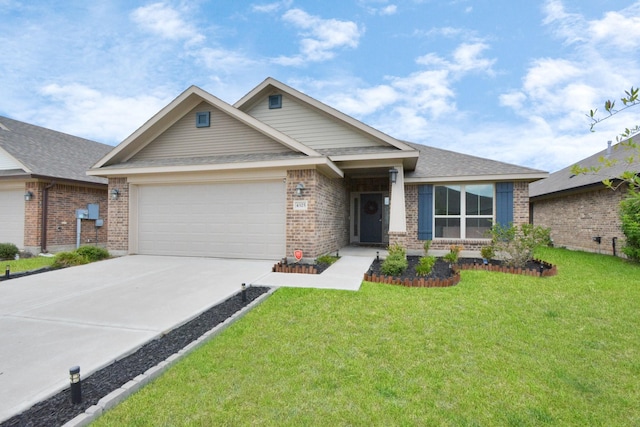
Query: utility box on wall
{"type": "Point", "coordinates": [94, 210]}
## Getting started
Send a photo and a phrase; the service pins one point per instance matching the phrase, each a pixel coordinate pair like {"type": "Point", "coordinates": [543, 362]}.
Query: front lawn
{"type": "Point", "coordinates": [26, 264]}
{"type": "Point", "coordinates": [497, 349]}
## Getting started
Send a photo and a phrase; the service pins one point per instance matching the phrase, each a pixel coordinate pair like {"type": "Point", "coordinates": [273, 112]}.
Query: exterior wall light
{"type": "Point", "coordinates": [28, 196]}
{"type": "Point", "coordinates": [393, 175]}
{"type": "Point", "coordinates": [115, 193]}
{"type": "Point", "coordinates": [299, 189]}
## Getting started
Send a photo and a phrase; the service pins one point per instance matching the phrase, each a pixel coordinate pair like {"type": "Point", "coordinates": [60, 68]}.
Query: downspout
{"type": "Point", "coordinates": [45, 214]}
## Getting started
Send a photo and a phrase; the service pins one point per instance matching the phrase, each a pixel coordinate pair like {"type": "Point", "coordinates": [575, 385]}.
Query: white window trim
{"type": "Point", "coordinates": [463, 208]}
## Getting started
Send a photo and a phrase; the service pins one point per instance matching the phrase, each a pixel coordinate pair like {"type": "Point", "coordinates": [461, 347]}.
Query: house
{"type": "Point", "coordinates": [279, 172]}
{"type": "Point", "coordinates": [582, 213]}
{"type": "Point", "coordinates": [43, 182]}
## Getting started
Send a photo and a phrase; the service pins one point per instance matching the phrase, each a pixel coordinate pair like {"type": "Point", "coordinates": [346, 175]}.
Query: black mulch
{"type": "Point", "coordinates": [58, 409]}
{"type": "Point", "coordinates": [441, 269]}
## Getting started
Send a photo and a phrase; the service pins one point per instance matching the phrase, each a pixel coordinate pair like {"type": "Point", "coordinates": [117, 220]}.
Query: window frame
{"type": "Point", "coordinates": [203, 119]}
{"type": "Point", "coordinates": [462, 216]}
{"type": "Point", "coordinates": [275, 101]}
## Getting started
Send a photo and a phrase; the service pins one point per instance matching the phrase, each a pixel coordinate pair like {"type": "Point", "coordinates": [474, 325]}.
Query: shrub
{"type": "Point", "coordinates": [516, 244]}
{"type": "Point", "coordinates": [93, 253]}
{"type": "Point", "coordinates": [396, 262]}
{"type": "Point", "coordinates": [426, 246]}
{"type": "Point", "coordinates": [630, 217]}
{"type": "Point", "coordinates": [8, 251]}
{"type": "Point", "coordinates": [454, 252]}
{"type": "Point", "coordinates": [488, 252]}
{"type": "Point", "coordinates": [425, 265]}
{"type": "Point", "coordinates": [68, 259]}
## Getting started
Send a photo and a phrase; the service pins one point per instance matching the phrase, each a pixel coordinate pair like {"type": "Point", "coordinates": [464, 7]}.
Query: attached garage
{"type": "Point", "coordinates": [12, 216]}
{"type": "Point", "coordinates": [221, 220]}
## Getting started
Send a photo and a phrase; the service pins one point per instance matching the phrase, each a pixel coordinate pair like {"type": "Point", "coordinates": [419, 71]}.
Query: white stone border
{"type": "Point", "coordinates": [118, 395]}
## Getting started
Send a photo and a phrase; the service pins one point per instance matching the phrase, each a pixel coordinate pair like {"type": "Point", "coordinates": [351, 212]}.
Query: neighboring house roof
{"type": "Point", "coordinates": [438, 165]}
{"type": "Point", "coordinates": [565, 180]}
{"type": "Point", "coordinates": [37, 152]}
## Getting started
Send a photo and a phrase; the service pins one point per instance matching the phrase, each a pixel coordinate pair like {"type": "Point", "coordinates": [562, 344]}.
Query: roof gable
{"type": "Point", "coordinates": [163, 127]}
{"type": "Point", "coordinates": [566, 180]}
{"type": "Point", "coordinates": [47, 153]}
{"type": "Point", "coordinates": [311, 121]}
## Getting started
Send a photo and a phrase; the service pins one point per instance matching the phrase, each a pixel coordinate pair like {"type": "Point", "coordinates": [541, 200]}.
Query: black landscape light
{"type": "Point", "coordinates": [378, 256]}
{"type": "Point", "coordinates": [541, 269]}
{"type": "Point", "coordinates": [7, 272]}
{"type": "Point", "coordinates": [76, 387]}
{"type": "Point", "coordinates": [244, 292]}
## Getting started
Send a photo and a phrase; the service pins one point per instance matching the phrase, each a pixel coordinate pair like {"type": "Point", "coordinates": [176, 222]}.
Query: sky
{"type": "Point", "coordinates": [510, 80]}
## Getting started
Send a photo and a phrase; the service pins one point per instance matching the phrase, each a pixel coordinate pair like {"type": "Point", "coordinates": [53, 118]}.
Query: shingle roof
{"type": "Point", "coordinates": [435, 163]}
{"type": "Point", "coordinates": [49, 153]}
{"type": "Point", "coordinates": [565, 180]}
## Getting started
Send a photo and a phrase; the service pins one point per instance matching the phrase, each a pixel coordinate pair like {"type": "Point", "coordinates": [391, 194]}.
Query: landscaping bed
{"type": "Point", "coordinates": [443, 275]}
{"type": "Point", "coordinates": [58, 409]}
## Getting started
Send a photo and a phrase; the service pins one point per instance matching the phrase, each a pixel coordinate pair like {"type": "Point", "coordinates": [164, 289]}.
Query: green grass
{"type": "Point", "coordinates": [26, 264]}
{"type": "Point", "coordinates": [497, 349]}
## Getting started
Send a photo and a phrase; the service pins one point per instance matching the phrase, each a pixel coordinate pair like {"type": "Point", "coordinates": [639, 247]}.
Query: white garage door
{"type": "Point", "coordinates": [228, 220]}
{"type": "Point", "coordinates": [12, 217]}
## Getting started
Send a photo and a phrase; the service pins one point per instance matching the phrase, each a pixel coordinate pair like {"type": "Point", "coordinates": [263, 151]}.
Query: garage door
{"type": "Point", "coordinates": [228, 220]}
{"type": "Point", "coordinates": [12, 217]}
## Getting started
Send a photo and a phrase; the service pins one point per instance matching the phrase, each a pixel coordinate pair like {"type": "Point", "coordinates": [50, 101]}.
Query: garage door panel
{"type": "Point", "coordinates": [12, 217]}
{"type": "Point", "coordinates": [238, 220]}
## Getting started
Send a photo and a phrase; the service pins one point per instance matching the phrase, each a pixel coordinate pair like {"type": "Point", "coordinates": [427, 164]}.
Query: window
{"type": "Point", "coordinates": [203, 119]}
{"type": "Point", "coordinates": [463, 211]}
{"type": "Point", "coordinates": [275, 101]}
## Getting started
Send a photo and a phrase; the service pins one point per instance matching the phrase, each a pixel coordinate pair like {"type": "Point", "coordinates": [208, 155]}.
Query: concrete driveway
{"type": "Point", "coordinates": [94, 314]}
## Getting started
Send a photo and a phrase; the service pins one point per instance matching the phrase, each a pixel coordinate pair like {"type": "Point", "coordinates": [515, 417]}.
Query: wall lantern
{"type": "Point", "coordinates": [393, 175]}
{"type": "Point", "coordinates": [299, 189]}
{"type": "Point", "coordinates": [28, 196]}
{"type": "Point", "coordinates": [115, 193]}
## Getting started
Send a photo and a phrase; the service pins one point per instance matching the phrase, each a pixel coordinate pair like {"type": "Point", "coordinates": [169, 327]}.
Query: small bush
{"type": "Point", "coordinates": [488, 252]}
{"type": "Point", "coordinates": [8, 251]}
{"type": "Point", "coordinates": [630, 216]}
{"type": "Point", "coordinates": [425, 265]}
{"type": "Point", "coordinates": [93, 253]}
{"type": "Point", "coordinates": [454, 253]}
{"type": "Point", "coordinates": [326, 259]}
{"type": "Point", "coordinates": [396, 262]}
{"type": "Point", "coordinates": [516, 244]}
{"type": "Point", "coordinates": [426, 246]}
{"type": "Point", "coordinates": [68, 259]}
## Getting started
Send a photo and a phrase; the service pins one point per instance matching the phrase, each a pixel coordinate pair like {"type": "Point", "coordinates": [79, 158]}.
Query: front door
{"type": "Point", "coordinates": [371, 210]}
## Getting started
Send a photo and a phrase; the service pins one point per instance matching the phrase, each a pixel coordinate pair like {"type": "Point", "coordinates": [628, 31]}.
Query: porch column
{"type": "Point", "coordinates": [397, 214]}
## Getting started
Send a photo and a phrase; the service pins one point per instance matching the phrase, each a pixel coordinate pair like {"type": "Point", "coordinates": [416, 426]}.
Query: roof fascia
{"type": "Point", "coordinates": [263, 87]}
{"type": "Point", "coordinates": [175, 110]}
{"type": "Point", "coordinates": [18, 162]}
{"type": "Point", "coordinates": [472, 178]}
{"type": "Point", "coordinates": [321, 162]}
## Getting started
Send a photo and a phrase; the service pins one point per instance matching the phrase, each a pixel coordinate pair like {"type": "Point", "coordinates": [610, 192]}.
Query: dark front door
{"type": "Point", "coordinates": [371, 218]}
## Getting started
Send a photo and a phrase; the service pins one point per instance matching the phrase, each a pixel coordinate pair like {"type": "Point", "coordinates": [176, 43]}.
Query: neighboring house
{"type": "Point", "coordinates": [280, 171]}
{"type": "Point", "coordinates": [43, 182]}
{"type": "Point", "coordinates": [581, 212]}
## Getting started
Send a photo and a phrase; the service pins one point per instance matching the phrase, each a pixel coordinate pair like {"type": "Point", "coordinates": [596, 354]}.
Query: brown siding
{"type": "Point", "coordinates": [225, 136]}
{"type": "Point", "coordinates": [576, 219]}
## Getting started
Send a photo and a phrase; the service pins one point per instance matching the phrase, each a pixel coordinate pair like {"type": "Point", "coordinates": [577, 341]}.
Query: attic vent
{"type": "Point", "coordinates": [203, 119]}
{"type": "Point", "coordinates": [275, 101]}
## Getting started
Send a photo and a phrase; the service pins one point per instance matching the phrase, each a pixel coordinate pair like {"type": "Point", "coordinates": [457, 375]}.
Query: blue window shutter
{"type": "Point", "coordinates": [504, 203]}
{"type": "Point", "coordinates": [425, 212]}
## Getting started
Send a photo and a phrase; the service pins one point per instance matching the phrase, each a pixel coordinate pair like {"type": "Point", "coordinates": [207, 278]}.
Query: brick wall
{"type": "Point", "coordinates": [118, 239]}
{"type": "Point", "coordinates": [63, 200]}
{"type": "Point", "coordinates": [323, 227]}
{"type": "Point", "coordinates": [411, 242]}
{"type": "Point", "coordinates": [575, 219]}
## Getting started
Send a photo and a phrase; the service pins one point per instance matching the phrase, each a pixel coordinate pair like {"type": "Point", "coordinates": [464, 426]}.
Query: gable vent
{"type": "Point", "coordinates": [203, 119]}
{"type": "Point", "coordinates": [275, 101]}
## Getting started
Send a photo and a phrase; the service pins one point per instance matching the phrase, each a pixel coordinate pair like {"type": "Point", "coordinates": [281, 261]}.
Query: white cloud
{"type": "Point", "coordinates": [320, 37]}
{"type": "Point", "coordinates": [81, 110]}
{"type": "Point", "coordinates": [272, 7]}
{"type": "Point", "coordinates": [165, 21]}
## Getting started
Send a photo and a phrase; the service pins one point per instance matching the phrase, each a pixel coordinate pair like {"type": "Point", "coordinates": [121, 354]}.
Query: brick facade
{"type": "Point", "coordinates": [324, 226]}
{"type": "Point", "coordinates": [118, 241]}
{"type": "Point", "coordinates": [61, 227]}
{"type": "Point", "coordinates": [576, 219]}
{"type": "Point", "coordinates": [411, 242]}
